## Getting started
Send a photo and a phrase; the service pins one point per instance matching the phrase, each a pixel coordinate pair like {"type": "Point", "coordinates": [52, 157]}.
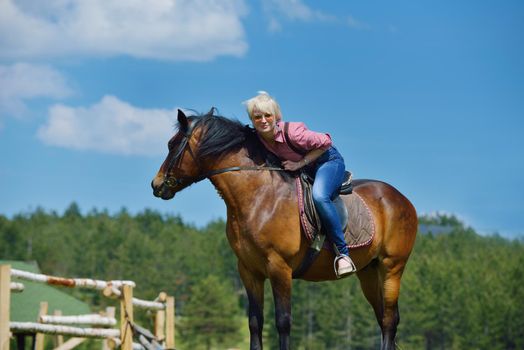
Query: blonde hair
{"type": "Point", "coordinates": [263, 103]}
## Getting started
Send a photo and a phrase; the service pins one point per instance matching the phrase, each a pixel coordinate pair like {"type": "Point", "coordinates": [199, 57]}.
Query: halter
{"type": "Point", "coordinates": [172, 181]}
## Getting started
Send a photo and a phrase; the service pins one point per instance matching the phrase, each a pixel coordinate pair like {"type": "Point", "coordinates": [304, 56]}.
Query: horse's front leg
{"type": "Point", "coordinates": [280, 277]}
{"type": "Point", "coordinates": [255, 293]}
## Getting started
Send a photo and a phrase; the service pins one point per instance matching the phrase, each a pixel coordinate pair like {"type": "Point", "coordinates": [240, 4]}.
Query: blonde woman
{"type": "Point", "coordinates": [299, 147]}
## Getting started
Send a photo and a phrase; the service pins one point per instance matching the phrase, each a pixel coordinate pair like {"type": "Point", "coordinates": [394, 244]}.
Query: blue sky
{"type": "Point", "coordinates": [425, 95]}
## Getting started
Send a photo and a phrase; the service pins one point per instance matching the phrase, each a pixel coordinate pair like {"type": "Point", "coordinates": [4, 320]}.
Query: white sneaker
{"type": "Point", "coordinates": [343, 266]}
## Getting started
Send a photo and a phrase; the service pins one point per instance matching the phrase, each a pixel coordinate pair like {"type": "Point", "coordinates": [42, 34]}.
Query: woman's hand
{"type": "Point", "coordinates": [292, 166]}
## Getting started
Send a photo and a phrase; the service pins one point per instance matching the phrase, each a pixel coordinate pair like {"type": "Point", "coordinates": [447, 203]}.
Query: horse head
{"type": "Point", "coordinates": [180, 169]}
{"type": "Point", "coordinates": [201, 148]}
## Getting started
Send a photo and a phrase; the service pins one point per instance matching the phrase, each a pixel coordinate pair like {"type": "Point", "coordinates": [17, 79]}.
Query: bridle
{"type": "Point", "coordinates": [184, 181]}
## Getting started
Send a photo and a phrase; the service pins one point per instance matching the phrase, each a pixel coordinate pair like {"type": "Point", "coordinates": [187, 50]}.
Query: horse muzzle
{"type": "Point", "coordinates": [162, 191]}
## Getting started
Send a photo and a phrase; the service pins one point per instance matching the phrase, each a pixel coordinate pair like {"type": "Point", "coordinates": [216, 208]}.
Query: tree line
{"type": "Point", "coordinates": [460, 290]}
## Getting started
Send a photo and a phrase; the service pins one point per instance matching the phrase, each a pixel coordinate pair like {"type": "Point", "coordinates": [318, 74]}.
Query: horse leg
{"type": "Point", "coordinates": [280, 278]}
{"type": "Point", "coordinates": [255, 294]}
{"type": "Point", "coordinates": [391, 317]}
{"type": "Point", "coordinates": [371, 283]}
{"type": "Point", "coordinates": [381, 286]}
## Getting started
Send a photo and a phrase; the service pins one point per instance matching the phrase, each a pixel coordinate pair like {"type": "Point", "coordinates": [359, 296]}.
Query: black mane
{"type": "Point", "coordinates": [223, 135]}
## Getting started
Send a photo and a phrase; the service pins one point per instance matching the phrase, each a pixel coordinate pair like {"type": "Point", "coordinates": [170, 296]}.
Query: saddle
{"type": "Point", "coordinates": [358, 227]}
{"type": "Point", "coordinates": [312, 223]}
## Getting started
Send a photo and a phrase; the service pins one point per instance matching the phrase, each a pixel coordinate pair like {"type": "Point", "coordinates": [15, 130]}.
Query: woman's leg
{"type": "Point", "coordinates": [329, 177]}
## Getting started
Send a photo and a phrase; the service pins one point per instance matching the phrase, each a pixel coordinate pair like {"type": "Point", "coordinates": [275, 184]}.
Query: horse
{"type": "Point", "coordinates": [263, 226]}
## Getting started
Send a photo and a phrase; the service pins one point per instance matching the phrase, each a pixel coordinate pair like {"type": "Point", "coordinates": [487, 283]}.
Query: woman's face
{"type": "Point", "coordinates": [264, 122]}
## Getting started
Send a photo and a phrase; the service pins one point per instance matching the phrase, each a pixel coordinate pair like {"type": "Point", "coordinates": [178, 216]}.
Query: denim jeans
{"type": "Point", "coordinates": [329, 174]}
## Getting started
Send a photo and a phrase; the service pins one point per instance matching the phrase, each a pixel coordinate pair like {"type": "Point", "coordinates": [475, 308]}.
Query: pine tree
{"type": "Point", "coordinates": [211, 316]}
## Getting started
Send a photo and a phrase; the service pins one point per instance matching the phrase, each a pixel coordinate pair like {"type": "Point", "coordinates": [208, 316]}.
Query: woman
{"type": "Point", "coordinates": [305, 147]}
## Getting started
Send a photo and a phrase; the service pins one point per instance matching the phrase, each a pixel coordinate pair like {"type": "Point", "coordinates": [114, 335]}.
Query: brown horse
{"type": "Point", "coordinates": [263, 225]}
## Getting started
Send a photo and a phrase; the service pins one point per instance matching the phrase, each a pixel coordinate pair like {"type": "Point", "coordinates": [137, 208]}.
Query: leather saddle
{"type": "Point", "coordinates": [306, 182]}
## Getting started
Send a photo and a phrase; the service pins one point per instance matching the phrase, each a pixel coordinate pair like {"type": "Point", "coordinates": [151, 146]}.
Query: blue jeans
{"type": "Point", "coordinates": [329, 175]}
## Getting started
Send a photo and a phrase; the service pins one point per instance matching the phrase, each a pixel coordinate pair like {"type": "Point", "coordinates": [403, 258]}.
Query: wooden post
{"type": "Point", "coordinates": [110, 312]}
{"type": "Point", "coordinates": [170, 322]}
{"type": "Point", "coordinates": [40, 337]}
{"type": "Point", "coordinates": [160, 319]}
{"type": "Point", "coordinates": [5, 300]}
{"type": "Point", "coordinates": [126, 316]}
{"type": "Point", "coordinates": [59, 339]}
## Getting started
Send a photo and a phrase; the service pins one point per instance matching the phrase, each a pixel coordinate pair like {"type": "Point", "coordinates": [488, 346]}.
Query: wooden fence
{"type": "Point", "coordinates": [163, 336]}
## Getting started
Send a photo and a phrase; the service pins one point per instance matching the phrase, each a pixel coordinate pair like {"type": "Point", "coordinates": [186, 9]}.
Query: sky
{"type": "Point", "coordinates": [425, 95]}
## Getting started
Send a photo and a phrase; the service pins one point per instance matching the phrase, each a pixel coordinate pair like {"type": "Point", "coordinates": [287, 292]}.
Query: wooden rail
{"type": "Point", "coordinates": [16, 287]}
{"type": "Point", "coordinates": [34, 327]}
{"type": "Point", "coordinates": [93, 320]}
{"type": "Point", "coordinates": [68, 282]}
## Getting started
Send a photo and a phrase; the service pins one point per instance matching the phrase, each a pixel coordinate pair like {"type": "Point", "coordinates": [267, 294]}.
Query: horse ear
{"type": "Point", "coordinates": [182, 120]}
{"type": "Point", "coordinates": [212, 111]}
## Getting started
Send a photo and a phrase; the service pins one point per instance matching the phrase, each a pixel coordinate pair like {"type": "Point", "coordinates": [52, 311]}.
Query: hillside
{"type": "Point", "coordinates": [460, 290]}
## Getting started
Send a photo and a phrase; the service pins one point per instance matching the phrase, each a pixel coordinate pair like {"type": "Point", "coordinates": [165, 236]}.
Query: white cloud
{"type": "Point", "coordinates": [159, 29]}
{"type": "Point", "coordinates": [110, 126]}
{"type": "Point", "coordinates": [294, 10]}
{"type": "Point", "coordinates": [274, 25]}
{"type": "Point", "coordinates": [20, 82]}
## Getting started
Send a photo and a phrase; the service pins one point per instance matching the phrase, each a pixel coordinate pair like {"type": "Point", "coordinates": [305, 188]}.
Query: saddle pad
{"type": "Point", "coordinates": [360, 230]}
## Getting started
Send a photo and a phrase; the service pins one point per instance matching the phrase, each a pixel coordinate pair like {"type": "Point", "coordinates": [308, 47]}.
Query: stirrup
{"type": "Point", "coordinates": [345, 271]}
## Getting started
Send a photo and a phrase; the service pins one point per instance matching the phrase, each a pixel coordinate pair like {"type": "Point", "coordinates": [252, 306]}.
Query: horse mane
{"type": "Point", "coordinates": [222, 136]}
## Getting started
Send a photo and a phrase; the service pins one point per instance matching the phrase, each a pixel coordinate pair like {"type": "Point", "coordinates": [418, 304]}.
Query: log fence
{"type": "Point", "coordinates": [163, 336]}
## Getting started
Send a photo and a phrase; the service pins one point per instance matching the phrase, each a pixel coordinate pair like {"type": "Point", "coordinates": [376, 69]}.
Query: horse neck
{"type": "Point", "coordinates": [245, 190]}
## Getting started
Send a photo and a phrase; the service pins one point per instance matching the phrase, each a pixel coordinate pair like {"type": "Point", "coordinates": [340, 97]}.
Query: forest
{"type": "Point", "coordinates": [460, 290]}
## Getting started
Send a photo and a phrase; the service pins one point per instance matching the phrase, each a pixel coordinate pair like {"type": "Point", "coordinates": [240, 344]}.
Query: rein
{"type": "Point", "coordinates": [172, 181]}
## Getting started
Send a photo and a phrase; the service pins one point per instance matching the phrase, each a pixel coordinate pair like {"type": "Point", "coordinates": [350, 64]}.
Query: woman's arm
{"type": "Point", "coordinates": [310, 157]}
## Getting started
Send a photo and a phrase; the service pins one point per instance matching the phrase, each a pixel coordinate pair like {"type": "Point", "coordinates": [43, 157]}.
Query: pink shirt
{"type": "Point", "coordinates": [301, 137]}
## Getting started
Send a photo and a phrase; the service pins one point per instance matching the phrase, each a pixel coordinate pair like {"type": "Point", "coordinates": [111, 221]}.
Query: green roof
{"type": "Point", "coordinates": [26, 305]}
